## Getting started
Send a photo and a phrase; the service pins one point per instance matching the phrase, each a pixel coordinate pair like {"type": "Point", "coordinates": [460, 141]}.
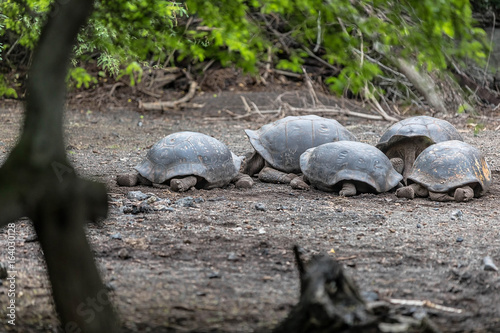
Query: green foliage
{"type": "Point", "coordinates": [134, 71]}
{"type": "Point", "coordinates": [357, 37]}
{"type": "Point", "coordinates": [2, 17]}
{"type": "Point", "coordinates": [78, 76]}
{"type": "Point", "coordinates": [5, 90]}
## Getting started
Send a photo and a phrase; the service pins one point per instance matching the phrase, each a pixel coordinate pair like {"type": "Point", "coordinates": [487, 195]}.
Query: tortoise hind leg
{"type": "Point", "coordinates": [183, 184]}
{"type": "Point", "coordinates": [270, 175]}
{"type": "Point", "coordinates": [348, 189]}
{"type": "Point", "coordinates": [464, 193]}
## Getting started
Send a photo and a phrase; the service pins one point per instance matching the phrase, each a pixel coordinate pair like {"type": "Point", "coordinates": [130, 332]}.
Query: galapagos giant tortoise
{"type": "Point", "coordinates": [278, 145]}
{"type": "Point", "coordinates": [447, 171]}
{"type": "Point", "coordinates": [186, 159]}
{"type": "Point", "coordinates": [348, 167]}
{"type": "Point", "coordinates": [406, 139]}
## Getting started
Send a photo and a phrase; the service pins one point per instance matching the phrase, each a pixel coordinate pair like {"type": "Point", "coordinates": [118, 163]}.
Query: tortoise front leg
{"type": "Point", "coordinates": [270, 175]}
{"type": "Point", "coordinates": [464, 193]}
{"type": "Point", "coordinates": [183, 184]}
{"type": "Point", "coordinates": [243, 181]}
{"type": "Point", "coordinates": [348, 189]}
{"type": "Point", "coordinates": [411, 191]}
{"type": "Point", "coordinates": [252, 164]}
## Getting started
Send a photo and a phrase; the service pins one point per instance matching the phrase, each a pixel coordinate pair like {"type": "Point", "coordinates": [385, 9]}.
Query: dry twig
{"type": "Point", "coordinates": [425, 303]}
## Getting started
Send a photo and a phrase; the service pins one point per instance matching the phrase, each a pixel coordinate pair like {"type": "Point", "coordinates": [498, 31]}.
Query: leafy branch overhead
{"type": "Point", "coordinates": [358, 43]}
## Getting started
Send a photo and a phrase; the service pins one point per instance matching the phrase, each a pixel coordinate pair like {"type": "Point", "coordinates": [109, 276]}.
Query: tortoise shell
{"type": "Point", "coordinates": [190, 153]}
{"type": "Point", "coordinates": [447, 165]}
{"type": "Point", "coordinates": [282, 142]}
{"type": "Point", "coordinates": [328, 165]}
{"type": "Point", "coordinates": [431, 130]}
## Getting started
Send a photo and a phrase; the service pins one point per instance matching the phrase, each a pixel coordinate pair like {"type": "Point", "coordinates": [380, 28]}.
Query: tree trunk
{"type": "Point", "coordinates": [39, 182]}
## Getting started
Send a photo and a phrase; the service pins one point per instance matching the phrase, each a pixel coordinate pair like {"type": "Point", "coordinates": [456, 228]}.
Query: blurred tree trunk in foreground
{"type": "Point", "coordinates": [38, 181]}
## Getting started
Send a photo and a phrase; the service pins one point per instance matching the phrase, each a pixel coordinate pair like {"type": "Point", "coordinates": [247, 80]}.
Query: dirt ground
{"type": "Point", "coordinates": [221, 265]}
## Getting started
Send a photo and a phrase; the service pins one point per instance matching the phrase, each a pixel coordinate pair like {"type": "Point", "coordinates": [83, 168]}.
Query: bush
{"type": "Point", "coordinates": [356, 40]}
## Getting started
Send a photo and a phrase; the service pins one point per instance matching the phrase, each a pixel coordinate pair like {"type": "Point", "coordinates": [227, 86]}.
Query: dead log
{"type": "Point", "coordinates": [39, 182]}
{"type": "Point", "coordinates": [423, 83]}
{"type": "Point", "coordinates": [331, 302]}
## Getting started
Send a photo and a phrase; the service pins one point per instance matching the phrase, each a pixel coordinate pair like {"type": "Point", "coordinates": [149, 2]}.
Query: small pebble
{"type": "Point", "coordinates": [214, 275]}
{"type": "Point", "coordinates": [163, 208]}
{"type": "Point", "coordinates": [223, 198]}
{"type": "Point", "coordinates": [260, 206]}
{"type": "Point", "coordinates": [232, 257]}
{"type": "Point", "coordinates": [137, 195]}
{"type": "Point", "coordinates": [116, 236]}
{"type": "Point", "coordinates": [199, 200]}
{"type": "Point", "coordinates": [262, 231]}
{"type": "Point", "coordinates": [145, 208]}
{"type": "Point", "coordinates": [110, 286]}
{"type": "Point", "coordinates": [489, 265]}
{"type": "Point", "coordinates": [456, 214]}
{"type": "Point", "coordinates": [370, 296]}
{"type": "Point", "coordinates": [419, 225]}
{"type": "Point", "coordinates": [460, 239]}
{"type": "Point", "coordinates": [123, 254]}
{"type": "Point", "coordinates": [151, 199]}
{"type": "Point", "coordinates": [185, 202]}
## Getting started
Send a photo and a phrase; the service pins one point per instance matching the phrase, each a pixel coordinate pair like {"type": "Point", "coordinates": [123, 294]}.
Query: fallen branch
{"type": "Point", "coordinates": [425, 303]}
{"type": "Point", "coordinates": [171, 104]}
{"type": "Point", "coordinates": [423, 83]}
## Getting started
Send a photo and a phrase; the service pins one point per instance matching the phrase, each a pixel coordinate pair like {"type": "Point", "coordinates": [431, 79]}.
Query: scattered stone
{"type": "Point", "coordinates": [262, 231]}
{"type": "Point", "coordinates": [163, 208]}
{"type": "Point", "coordinates": [145, 208]}
{"type": "Point", "coordinates": [151, 199]}
{"type": "Point", "coordinates": [116, 236]}
{"type": "Point", "coordinates": [460, 239]}
{"type": "Point", "coordinates": [201, 293]}
{"type": "Point", "coordinates": [129, 209]}
{"type": "Point", "coordinates": [124, 254]}
{"type": "Point", "coordinates": [369, 296]}
{"type": "Point", "coordinates": [185, 202]}
{"type": "Point", "coordinates": [199, 200]}
{"type": "Point", "coordinates": [3, 271]}
{"type": "Point", "coordinates": [223, 198]}
{"type": "Point", "coordinates": [489, 265]}
{"type": "Point", "coordinates": [110, 286]}
{"type": "Point", "coordinates": [232, 257]}
{"type": "Point", "coordinates": [260, 206]}
{"type": "Point", "coordinates": [137, 195]}
{"type": "Point", "coordinates": [419, 225]}
{"type": "Point", "coordinates": [214, 275]}
{"type": "Point", "coordinates": [456, 215]}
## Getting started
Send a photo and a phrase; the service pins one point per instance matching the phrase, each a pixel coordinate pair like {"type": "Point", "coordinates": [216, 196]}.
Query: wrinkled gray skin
{"type": "Point", "coordinates": [448, 171]}
{"type": "Point", "coordinates": [278, 146]}
{"type": "Point", "coordinates": [406, 139]}
{"type": "Point", "coordinates": [187, 159]}
{"type": "Point", "coordinates": [349, 168]}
